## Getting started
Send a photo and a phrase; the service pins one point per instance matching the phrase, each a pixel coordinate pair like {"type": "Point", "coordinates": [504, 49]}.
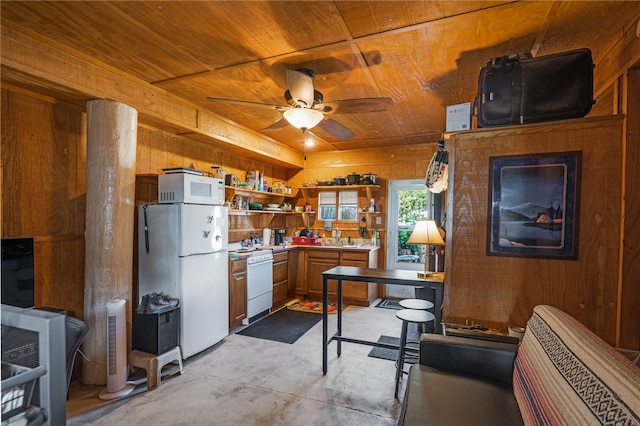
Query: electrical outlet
{"type": "Point", "coordinates": [378, 220]}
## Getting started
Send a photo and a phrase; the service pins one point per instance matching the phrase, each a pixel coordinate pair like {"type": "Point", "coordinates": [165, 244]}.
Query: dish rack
{"type": "Point", "coordinates": [305, 241]}
{"type": "Point", "coordinates": [17, 388]}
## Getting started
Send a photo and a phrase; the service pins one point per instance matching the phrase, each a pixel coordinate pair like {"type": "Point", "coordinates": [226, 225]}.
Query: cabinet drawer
{"type": "Point", "coordinates": [280, 291]}
{"type": "Point", "coordinates": [280, 271]}
{"type": "Point", "coordinates": [238, 265]}
{"type": "Point", "coordinates": [280, 257]}
{"type": "Point", "coordinates": [361, 256]}
{"type": "Point", "coordinates": [323, 254]}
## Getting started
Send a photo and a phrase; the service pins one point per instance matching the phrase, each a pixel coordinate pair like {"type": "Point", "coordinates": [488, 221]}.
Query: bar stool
{"type": "Point", "coordinates": [419, 304]}
{"type": "Point", "coordinates": [407, 316]}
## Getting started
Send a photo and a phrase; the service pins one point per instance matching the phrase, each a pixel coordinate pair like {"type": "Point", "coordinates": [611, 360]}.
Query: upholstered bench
{"type": "Point", "coordinates": [561, 374]}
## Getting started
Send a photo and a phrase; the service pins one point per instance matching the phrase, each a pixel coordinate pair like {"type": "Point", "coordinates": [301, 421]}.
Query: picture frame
{"type": "Point", "coordinates": [534, 205]}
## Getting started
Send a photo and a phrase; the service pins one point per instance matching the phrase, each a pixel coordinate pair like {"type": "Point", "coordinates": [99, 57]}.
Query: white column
{"type": "Point", "coordinates": [110, 209]}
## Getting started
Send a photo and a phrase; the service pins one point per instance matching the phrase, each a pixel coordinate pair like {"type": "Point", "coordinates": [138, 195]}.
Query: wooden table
{"type": "Point", "coordinates": [380, 276]}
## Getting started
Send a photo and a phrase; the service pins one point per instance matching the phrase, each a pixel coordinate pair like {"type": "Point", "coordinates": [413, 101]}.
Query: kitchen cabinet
{"type": "Point", "coordinates": [319, 261]}
{"type": "Point", "coordinates": [359, 290]}
{"type": "Point", "coordinates": [313, 261]}
{"type": "Point", "coordinates": [296, 272]}
{"type": "Point", "coordinates": [237, 291]}
{"type": "Point", "coordinates": [280, 278]}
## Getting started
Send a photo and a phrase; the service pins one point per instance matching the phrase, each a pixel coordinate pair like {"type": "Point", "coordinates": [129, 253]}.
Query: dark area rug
{"type": "Point", "coordinates": [284, 326]}
{"type": "Point", "coordinates": [392, 354]}
{"type": "Point", "coordinates": [389, 304]}
{"type": "Point", "coordinates": [384, 353]}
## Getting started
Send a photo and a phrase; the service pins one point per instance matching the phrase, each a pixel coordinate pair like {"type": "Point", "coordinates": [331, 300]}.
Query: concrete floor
{"type": "Point", "coordinates": [249, 381]}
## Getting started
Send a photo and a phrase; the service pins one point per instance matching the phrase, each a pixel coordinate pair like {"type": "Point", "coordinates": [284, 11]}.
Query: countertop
{"type": "Point", "coordinates": [233, 255]}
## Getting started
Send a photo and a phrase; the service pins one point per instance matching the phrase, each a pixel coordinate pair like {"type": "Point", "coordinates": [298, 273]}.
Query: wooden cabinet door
{"type": "Point", "coordinates": [355, 289]}
{"type": "Point", "coordinates": [297, 272]}
{"type": "Point", "coordinates": [319, 261]}
{"type": "Point", "coordinates": [237, 291]}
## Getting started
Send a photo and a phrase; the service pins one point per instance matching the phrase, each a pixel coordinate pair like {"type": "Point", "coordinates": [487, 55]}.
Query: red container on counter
{"type": "Point", "coordinates": [305, 241]}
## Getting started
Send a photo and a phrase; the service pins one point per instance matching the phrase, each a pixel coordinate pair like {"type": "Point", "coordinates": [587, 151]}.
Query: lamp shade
{"type": "Point", "coordinates": [426, 232]}
{"type": "Point", "coordinates": [303, 118]}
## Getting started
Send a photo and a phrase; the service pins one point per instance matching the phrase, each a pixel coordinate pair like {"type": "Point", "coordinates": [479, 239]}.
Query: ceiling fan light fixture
{"type": "Point", "coordinates": [303, 118]}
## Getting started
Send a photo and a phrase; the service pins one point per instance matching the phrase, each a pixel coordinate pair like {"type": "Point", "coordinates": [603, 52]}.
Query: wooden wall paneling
{"type": "Point", "coordinates": [59, 273]}
{"type": "Point", "coordinates": [629, 294]}
{"type": "Point", "coordinates": [497, 290]}
{"type": "Point", "coordinates": [43, 194]}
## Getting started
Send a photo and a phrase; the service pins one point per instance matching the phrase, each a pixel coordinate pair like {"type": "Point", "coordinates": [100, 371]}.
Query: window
{"type": "Point", "coordinates": [327, 205]}
{"type": "Point", "coordinates": [345, 205]}
{"type": "Point", "coordinates": [348, 205]}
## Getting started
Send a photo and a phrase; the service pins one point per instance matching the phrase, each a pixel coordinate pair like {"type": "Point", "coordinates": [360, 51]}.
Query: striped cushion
{"type": "Point", "coordinates": [566, 375]}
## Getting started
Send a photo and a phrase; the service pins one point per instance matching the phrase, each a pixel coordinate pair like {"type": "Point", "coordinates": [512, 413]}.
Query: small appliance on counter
{"type": "Point", "coordinates": [231, 180]}
{"type": "Point", "coordinates": [278, 236]}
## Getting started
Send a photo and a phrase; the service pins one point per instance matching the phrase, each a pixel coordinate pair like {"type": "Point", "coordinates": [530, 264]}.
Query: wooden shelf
{"type": "Point", "coordinates": [248, 212]}
{"type": "Point", "coordinates": [233, 190]}
{"type": "Point", "coordinates": [368, 188]}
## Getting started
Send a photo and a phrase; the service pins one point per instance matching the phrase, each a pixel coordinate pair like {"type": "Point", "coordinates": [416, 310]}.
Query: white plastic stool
{"type": "Point", "coordinates": [153, 363]}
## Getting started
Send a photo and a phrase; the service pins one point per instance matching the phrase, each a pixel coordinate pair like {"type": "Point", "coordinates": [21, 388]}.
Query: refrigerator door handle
{"type": "Point", "coordinates": [146, 228]}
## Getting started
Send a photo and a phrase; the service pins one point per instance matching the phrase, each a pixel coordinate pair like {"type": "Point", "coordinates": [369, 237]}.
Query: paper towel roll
{"type": "Point", "coordinates": [266, 236]}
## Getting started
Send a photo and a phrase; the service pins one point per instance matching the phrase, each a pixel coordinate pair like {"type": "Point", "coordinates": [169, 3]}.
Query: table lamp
{"type": "Point", "coordinates": [426, 232]}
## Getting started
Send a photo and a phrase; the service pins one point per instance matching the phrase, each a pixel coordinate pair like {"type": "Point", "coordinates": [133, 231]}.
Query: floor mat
{"type": "Point", "coordinates": [389, 304]}
{"type": "Point", "coordinates": [384, 353]}
{"type": "Point", "coordinates": [284, 326]}
{"type": "Point", "coordinates": [392, 354]}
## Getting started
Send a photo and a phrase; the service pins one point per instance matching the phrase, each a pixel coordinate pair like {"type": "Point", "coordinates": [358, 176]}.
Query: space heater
{"type": "Point", "coordinates": [117, 385]}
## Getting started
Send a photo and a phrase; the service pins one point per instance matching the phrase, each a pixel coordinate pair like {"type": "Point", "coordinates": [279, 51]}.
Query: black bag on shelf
{"type": "Point", "coordinates": [518, 89]}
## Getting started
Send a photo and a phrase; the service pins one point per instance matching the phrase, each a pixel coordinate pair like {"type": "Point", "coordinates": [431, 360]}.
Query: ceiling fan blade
{"type": "Point", "coordinates": [300, 83]}
{"type": "Point", "coordinates": [357, 106]}
{"type": "Point", "coordinates": [336, 129]}
{"type": "Point", "coordinates": [247, 103]}
{"type": "Point", "coordinates": [278, 125]}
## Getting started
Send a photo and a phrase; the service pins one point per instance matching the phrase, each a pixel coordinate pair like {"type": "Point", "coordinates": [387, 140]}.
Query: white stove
{"type": "Point", "coordinates": [258, 256]}
{"type": "Point", "coordinates": [259, 284]}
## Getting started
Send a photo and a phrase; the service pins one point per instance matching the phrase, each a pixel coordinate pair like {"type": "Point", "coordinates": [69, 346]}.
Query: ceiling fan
{"type": "Point", "coordinates": [306, 108]}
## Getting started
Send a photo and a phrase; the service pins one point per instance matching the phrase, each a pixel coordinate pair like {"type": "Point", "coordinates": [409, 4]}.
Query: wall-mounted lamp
{"type": "Point", "coordinates": [303, 118]}
{"type": "Point", "coordinates": [426, 232]}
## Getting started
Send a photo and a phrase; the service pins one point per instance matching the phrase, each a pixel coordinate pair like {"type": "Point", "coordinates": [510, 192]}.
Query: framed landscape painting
{"type": "Point", "coordinates": [533, 205]}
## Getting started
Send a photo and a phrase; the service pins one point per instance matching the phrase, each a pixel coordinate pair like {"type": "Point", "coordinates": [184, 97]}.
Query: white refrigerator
{"type": "Point", "coordinates": [183, 253]}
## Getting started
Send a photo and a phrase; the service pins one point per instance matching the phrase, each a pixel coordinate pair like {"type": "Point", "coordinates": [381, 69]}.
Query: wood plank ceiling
{"type": "Point", "coordinates": [424, 55]}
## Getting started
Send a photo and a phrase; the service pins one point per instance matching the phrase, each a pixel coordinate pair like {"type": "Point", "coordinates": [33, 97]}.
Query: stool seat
{"type": "Point", "coordinates": [419, 304]}
{"type": "Point", "coordinates": [153, 363]}
{"type": "Point", "coordinates": [415, 315]}
{"type": "Point", "coordinates": [407, 316]}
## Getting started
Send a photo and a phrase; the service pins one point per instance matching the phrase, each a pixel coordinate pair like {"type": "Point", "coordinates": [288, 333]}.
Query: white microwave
{"type": "Point", "coordinates": [190, 188]}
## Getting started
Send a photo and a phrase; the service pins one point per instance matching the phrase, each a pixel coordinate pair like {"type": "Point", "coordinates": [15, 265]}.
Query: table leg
{"type": "Point", "coordinates": [437, 327]}
{"type": "Point", "coordinates": [400, 359]}
{"type": "Point", "coordinates": [325, 317]}
{"type": "Point", "coordinates": [339, 316]}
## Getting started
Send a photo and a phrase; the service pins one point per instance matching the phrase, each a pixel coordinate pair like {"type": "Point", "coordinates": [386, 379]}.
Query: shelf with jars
{"type": "Point", "coordinates": [243, 201]}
